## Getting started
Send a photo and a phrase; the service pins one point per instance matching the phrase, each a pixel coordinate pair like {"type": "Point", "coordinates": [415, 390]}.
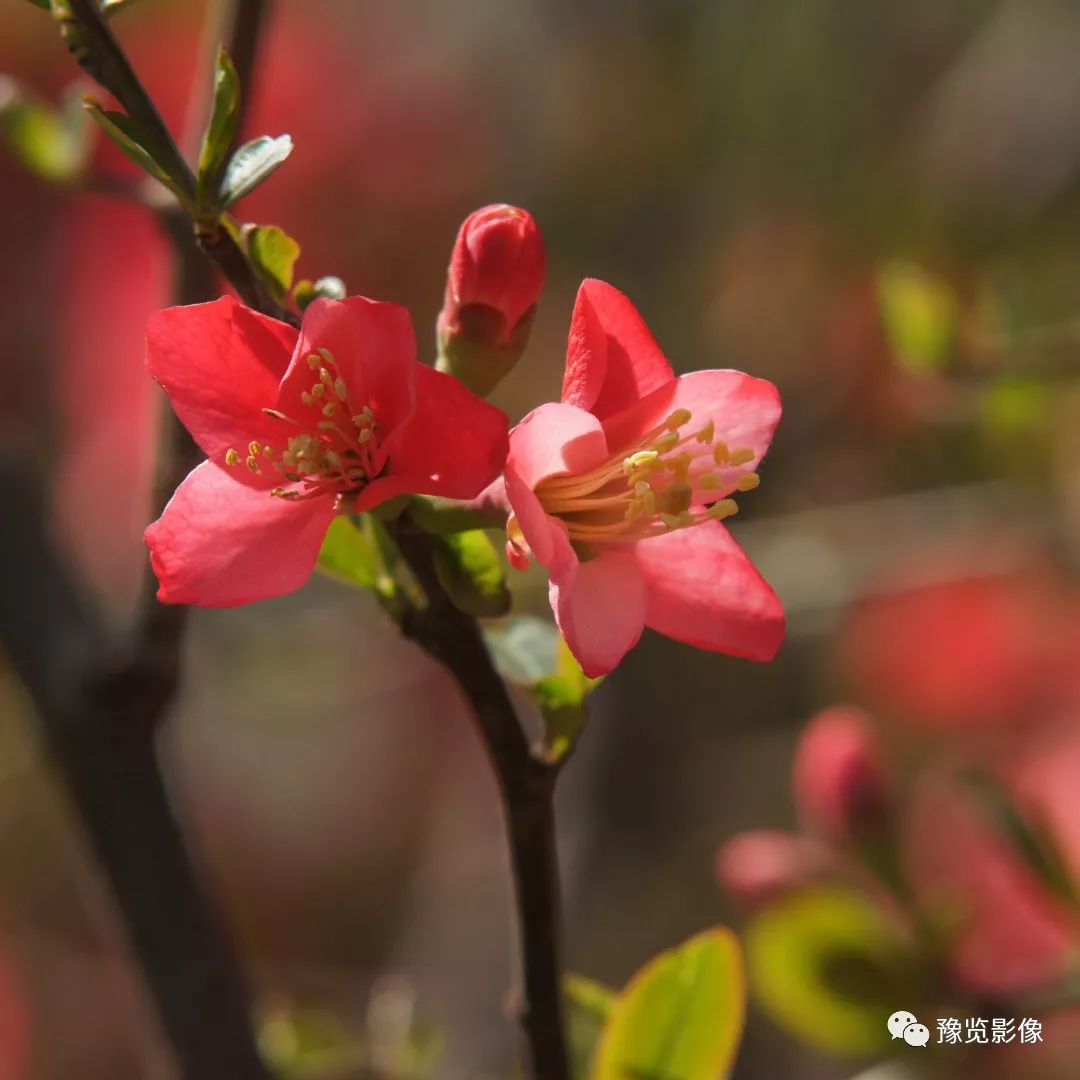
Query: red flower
{"type": "Point", "coordinates": [619, 489]}
{"type": "Point", "coordinates": [297, 427]}
{"type": "Point", "coordinates": [498, 262]}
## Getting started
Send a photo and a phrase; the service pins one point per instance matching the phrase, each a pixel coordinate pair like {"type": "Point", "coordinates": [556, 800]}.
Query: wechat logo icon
{"type": "Point", "coordinates": [905, 1025]}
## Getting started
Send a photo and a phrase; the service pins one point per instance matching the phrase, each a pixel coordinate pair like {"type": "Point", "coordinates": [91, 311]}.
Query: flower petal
{"type": "Point", "coordinates": [743, 410]}
{"type": "Point", "coordinates": [220, 543]}
{"type": "Point", "coordinates": [545, 536]}
{"type": "Point", "coordinates": [704, 591]}
{"type": "Point", "coordinates": [374, 351]}
{"type": "Point", "coordinates": [555, 438]}
{"type": "Point", "coordinates": [612, 360]}
{"type": "Point", "coordinates": [600, 608]}
{"type": "Point", "coordinates": [453, 444]}
{"type": "Point", "coordinates": [220, 364]}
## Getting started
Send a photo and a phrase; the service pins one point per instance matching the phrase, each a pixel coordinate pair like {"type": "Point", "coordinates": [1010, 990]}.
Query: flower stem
{"type": "Point", "coordinates": [527, 787]}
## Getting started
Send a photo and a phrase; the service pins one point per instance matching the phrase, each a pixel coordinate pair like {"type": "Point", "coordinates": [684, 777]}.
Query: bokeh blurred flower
{"type": "Point", "coordinates": [297, 427]}
{"type": "Point", "coordinates": [619, 491]}
{"type": "Point", "coordinates": [496, 272]}
{"type": "Point", "coordinates": [760, 865]}
{"type": "Point", "coordinates": [840, 780]}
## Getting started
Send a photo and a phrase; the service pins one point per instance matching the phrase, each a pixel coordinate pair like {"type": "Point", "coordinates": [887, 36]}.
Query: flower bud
{"type": "Point", "coordinates": [841, 784]}
{"type": "Point", "coordinates": [496, 272]}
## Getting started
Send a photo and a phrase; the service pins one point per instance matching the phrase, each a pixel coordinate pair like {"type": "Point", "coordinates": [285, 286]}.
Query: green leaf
{"type": "Point", "coordinates": [220, 131]}
{"type": "Point", "coordinates": [471, 571]}
{"type": "Point", "coordinates": [139, 146]}
{"type": "Point", "coordinates": [680, 1017]}
{"type": "Point", "coordinates": [561, 699]}
{"type": "Point", "coordinates": [251, 165]}
{"type": "Point", "coordinates": [273, 253]}
{"type": "Point", "coordinates": [329, 288]}
{"type": "Point", "coordinates": [52, 143]}
{"type": "Point", "coordinates": [351, 553]}
{"type": "Point", "coordinates": [306, 1043]}
{"type": "Point", "coordinates": [829, 966]}
{"type": "Point", "coordinates": [919, 314]}
{"type": "Point", "coordinates": [588, 1006]}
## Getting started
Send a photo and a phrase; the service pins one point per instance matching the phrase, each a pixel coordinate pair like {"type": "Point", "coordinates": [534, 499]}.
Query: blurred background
{"type": "Point", "coordinates": [876, 206]}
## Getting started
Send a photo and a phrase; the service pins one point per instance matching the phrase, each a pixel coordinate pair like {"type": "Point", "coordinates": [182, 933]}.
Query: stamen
{"type": "Point", "coordinates": [253, 464]}
{"type": "Point", "coordinates": [232, 457]}
{"type": "Point", "coordinates": [306, 398]}
{"type": "Point", "coordinates": [721, 454]}
{"type": "Point", "coordinates": [706, 434]}
{"type": "Point", "coordinates": [741, 456]}
{"type": "Point", "coordinates": [677, 419]}
{"type": "Point", "coordinates": [748, 481]}
{"type": "Point", "coordinates": [340, 389]}
{"type": "Point", "coordinates": [313, 361]}
{"type": "Point", "coordinates": [724, 508]}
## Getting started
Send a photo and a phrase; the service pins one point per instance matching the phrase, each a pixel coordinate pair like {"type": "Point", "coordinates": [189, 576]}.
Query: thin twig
{"type": "Point", "coordinates": [527, 787]}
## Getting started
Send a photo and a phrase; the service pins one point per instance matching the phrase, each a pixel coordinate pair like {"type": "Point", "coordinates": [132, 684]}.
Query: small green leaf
{"type": "Point", "coordinates": [680, 1017]}
{"type": "Point", "coordinates": [251, 165]}
{"type": "Point", "coordinates": [351, 553]}
{"type": "Point", "coordinates": [52, 143]}
{"type": "Point", "coordinates": [919, 313]}
{"type": "Point", "coordinates": [561, 699]}
{"type": "Point", "coordinates": [273, 253]}
{"type": "Point", "coordinates": [829, 966]}
{"type": "Point", "coordinates": [325, 288]}
{"type": "Point", "coordinates": [472, 573]}
{"type": "Point", "coordinates": [138, 146]}
{"type": "Point", "coordinates": [588, 1006]}
{"type": "Point", "coordinates": [220, 130]}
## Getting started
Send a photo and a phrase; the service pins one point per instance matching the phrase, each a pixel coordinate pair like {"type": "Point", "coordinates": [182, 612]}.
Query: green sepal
{"type": "Point", "coordinates": [251, 165]}
{"type": "Point", "coordinates": [351, 552]}
{"type": "Point", "coordinates": [475, 355]}
{"type": "Point", "coordinates": [471, 572]}
{"type": "Point", "coordinates": [443, 516]}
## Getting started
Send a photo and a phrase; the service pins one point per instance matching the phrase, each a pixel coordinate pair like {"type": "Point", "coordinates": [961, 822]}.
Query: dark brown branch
{"type": "Point", "coordinates": [99, 704]}
{"type": "Point", "coordinates": [527, 787]}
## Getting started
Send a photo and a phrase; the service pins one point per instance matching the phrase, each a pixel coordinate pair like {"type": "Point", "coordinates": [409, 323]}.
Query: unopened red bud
{"type": "Point", "coordinates": [496, 272]}
{"type": "Point", "coordinates": [840, 780]}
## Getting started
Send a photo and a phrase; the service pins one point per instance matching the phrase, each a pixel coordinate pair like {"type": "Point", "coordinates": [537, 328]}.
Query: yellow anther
{"type": "Point", "coordinates": [307, 399]}
{"type": "Point", "coordinates": [641, 460]}
{"type": "Point", "coordinates": [325, 376]}
{"type": "Point", "coordinates": [313, 361]}
{"type": "Point", "coordinates": [333, 459]}
{"type": "Point", "coordinates": [268, 451]}
{"type": "Point", "coordinates": [708, 481]}
{"type": "Point", "coordinates": [667, 441]}
{"type": "Point", "coordinates": [681, 466]}
{"type": "Point", "coordinates": [329, 409]}
{"type": "Point", "coordinates": [328, 356]}
{"type": "Point", "coordinates": [741, 456]}
{"type": "Point", "coordinates": [672, 521]}
{"type": "Point", "coordinates": [721, 454]}
{"type": "Point", "coordinates": [641, 488]}
{"type": "Point", "coordinates": [326, 425]}
{"type": "Point", "coordinates": [724, 508]}
{"type": "Point", "coordinates": [341, 389]}
{"type": "Point", "coordinates": [318, 390]}
{"type": "Point", "coordinates": [748, 481]}
{"type": "Point", "coordinates": [707, 433]}
{"type": "Point", "coordinates": [254, 447]}
{"type": "Point", "coordinates": [253, 464]}
{"type": "Point", "coordinates": [232, 457]}
{"type": "Point", "coordinates": [677, 419]}
{"type": "Point", "coordinates": [363, 436]}
{"type": "Point", "coordinates": [277, 414]}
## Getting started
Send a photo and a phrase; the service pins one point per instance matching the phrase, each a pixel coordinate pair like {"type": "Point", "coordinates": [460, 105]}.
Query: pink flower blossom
{"type": "Point", "coordinates": [298, 427]}
{"type": "Point", "coordinates": [619, 490]}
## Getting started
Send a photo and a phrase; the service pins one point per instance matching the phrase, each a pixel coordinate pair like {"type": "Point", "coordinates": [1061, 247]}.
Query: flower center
{"type": "Point", "coordinates": [342, 454]}
{"type": "Point", "coordinates": [648, 488]}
